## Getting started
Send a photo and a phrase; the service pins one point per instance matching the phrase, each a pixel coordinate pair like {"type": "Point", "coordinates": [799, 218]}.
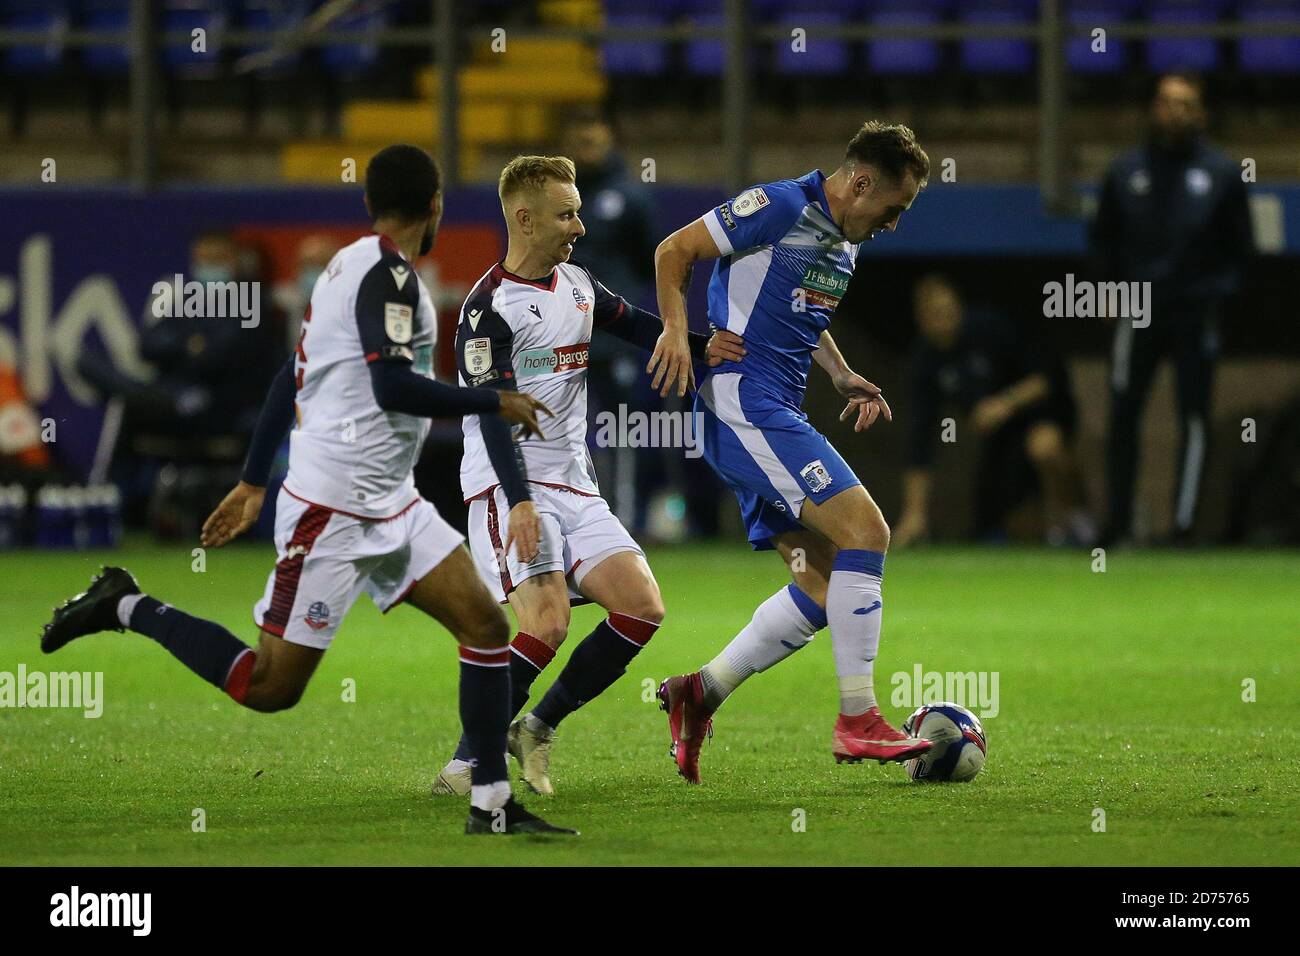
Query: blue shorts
{"type": "Point", "coordinates": [768, 454]}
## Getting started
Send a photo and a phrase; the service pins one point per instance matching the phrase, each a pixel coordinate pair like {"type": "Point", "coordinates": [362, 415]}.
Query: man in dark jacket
{"type": "Point", "coordinates": [1173, 213]}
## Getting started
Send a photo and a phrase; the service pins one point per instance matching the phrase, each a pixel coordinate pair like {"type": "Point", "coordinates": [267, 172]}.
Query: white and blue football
{"type": "Point", "coordinates": [959, 745]}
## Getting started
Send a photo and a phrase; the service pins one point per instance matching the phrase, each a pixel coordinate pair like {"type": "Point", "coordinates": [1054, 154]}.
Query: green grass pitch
{"type": "Point", "coordinates": [1120, 691]}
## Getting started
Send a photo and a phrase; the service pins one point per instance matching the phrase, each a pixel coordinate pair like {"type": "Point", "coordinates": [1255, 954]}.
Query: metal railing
{"type": "Point", "coordinates": [736, 31]}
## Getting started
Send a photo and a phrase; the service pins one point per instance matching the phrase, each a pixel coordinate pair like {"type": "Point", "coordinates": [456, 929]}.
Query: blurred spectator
{"type": "Point", "coordinates": [1173, 213]}
{"type": "Point", "coordinates": [21, 448]}
{"type": "Point", "coordinates": [209, 377]}
{"type": "Point", "coordinates": [1017, 396]}
{"type": "Point", "coordinates": [293, 296]}
{"type": "Point", "coordinates": [619, 248]}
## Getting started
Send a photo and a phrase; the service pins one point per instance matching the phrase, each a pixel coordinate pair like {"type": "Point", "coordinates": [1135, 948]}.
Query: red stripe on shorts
{"type": "Point", "coordinates": [494, 533]}
{"type": "Point", "coordinates": [289, 570]}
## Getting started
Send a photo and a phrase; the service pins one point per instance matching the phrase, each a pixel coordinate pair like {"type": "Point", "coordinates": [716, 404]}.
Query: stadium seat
{"type": "Point", "coordinates": [52, 19]}
{"type": "Point", "coordinates": [107, 16]}
{"type": "Point", "coordinates": [186, 16]}
{"type": "Point", "coordinates": [635, 57]}
{"type": "Point", "coordinates": [1003, 54]}
{"type": "Point", "coordinates": [1270, 54]}
{"type": "Point", "coordinates": [904, 57]}
{"type": "Point", "coordinates": [1091, 14]}
{"type": "Point", "coordinates": [1183, 53]}
{"type": "Point", "coordinates": [274, 15]}
{"type": "Point", "coordinates": [348, 60]}
{"type": "Point", "coordinates": [706, 57]}
{"type": "Point", "coordinates": [821, 56]}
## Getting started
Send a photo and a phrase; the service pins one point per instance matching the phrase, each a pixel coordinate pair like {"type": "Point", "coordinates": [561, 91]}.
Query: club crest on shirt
{"type": "Point", "coordinates": [815, 476]}
{"type": "Point", "coordinates": [581, 299]}
{"type": "Point", "coordinates": [318, 615]}
{"type": "Point", "coordinates": [398, 322]}
{"type": "Point", "coordinates": [749, 202]}
{"type": "Point", "coordinates": [478, 355]}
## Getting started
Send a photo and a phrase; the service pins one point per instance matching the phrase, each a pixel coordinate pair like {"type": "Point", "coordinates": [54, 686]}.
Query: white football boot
{"type": "Point", "coordinates": [453, 780]}
{"type": "Point", "coordinates": [529, 741]}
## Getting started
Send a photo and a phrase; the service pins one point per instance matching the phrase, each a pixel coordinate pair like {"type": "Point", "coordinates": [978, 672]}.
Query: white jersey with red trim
{"type": "Point", "coordinates": [535, 334]}
{"type": "Point", "coordinates": [345, 452]}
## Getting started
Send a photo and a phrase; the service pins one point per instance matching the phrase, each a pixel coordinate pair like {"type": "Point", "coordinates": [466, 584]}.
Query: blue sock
{"type": "Point", "coordinates": [205, 647]}
{"type": "Point", "coordinates": [598, 661]}
{"type": "Point", "coordinates": [484, 711]}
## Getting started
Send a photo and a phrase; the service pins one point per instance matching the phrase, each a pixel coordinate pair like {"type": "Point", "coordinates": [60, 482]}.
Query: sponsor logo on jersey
{"type": "Point", "coordinates": [728, 219]}
{"type": "Point", "coordinates": [749, 202]}
{"type": "Point", "coordinates": [824, 287]}
{"type": "Point", "coordinates": [474, 315]}
{"type": "Point", "coordinates": [318, 615]}
{"type": "Point", "coordinates": [535, 310]}
{"type": "Point", "coordinates": [815, 476]}
{"type": "Point", "coordinates": [400, 275]}
{"type": "Point", "coordinates": [581, 299]}
{"type": "Point", "coordinates": [399, 320]}
{"type": "Point", "coordinates": [478, 355]}
{"type": "Point", "coordinates": [562, 358]}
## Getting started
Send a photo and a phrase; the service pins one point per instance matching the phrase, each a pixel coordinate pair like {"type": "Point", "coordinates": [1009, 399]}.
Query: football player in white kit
{"type": "Point", "coordinates": [359, 389]}
{"type": "Point", "coordinates": [527, 326]}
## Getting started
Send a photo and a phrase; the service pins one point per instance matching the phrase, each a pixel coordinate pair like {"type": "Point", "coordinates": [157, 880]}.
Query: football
{"type": "Point", "coordinates": [959, 743]}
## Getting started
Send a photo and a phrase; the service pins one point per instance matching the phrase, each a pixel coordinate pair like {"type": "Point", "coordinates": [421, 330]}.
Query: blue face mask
{"type": "Point", "coordinates": [211, 274]}
{"type": "Point", "coordinates": [307, 281]}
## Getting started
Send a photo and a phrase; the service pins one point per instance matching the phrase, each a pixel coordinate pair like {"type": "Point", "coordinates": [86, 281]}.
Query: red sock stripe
{"type": "Point", "coordinates": [633, 628]}
{"type": "Point", "coordinates": [241, 675]}
{"type": "Point", "coordinates": [287, 572]}
{"type": "Point", "coordinates": [497, 657]}
{"type": "Point", "coordinates": [532, 650]}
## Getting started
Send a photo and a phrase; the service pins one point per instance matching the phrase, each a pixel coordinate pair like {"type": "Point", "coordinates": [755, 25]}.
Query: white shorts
{"type": "Point", "coordinates": [578, 532]}
{"type": "Point", "coordinates": [327, 558]}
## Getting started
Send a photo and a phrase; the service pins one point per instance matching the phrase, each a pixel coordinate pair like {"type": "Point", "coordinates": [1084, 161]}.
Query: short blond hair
{"type": "Point", "coordinates": [533, 173]}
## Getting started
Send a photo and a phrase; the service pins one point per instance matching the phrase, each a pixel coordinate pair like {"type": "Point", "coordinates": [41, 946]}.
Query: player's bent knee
{"type": "Point", "coordinates": [484, 630]}
{"type": "Point", "coordinates": [272, 697]}
{"type": "Point", "coordinates": [871, 534]}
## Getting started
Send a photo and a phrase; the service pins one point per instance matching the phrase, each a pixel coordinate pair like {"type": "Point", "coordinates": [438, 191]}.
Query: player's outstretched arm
{"type": "Point", "coordinates": [674, 262]}
{"type": "Point", "coordinates": [864, 398]}
{"type": "Point", "coordinates": [239, 510]}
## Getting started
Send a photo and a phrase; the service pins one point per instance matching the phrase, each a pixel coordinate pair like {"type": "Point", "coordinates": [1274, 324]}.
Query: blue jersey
{"type": "Point", "coordinates": [785, 265]}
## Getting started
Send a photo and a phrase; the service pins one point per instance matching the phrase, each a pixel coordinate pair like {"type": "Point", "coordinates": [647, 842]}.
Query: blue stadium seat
{"type": "Point", "coordinates": [821, 56]}
{"type": "Point", "coordinates": [107, 16]}
{"type": "Point", "coordinates": [1270, 54]}
{"type": "Point", "coordinates": [635, 57]}
{"type": "Point", "coordinates": [1003, 54]}
{"type": "Point", "coordinates": [51, 18]}
{"type": "Point", "coordinates": [274, 15]}
{"type": "Point", "coordinates": [186, 16]}
{"type": "Point", "coordinates": [355, 59]}
{"type": "Point", "coordinates": [904, 57]}
{"type": "Point", "coordinates": [1079, 55]}
{"type": "Point", "coordinates": [1183, 53]}
{"type": "Point", "coordinates": [705, 57]}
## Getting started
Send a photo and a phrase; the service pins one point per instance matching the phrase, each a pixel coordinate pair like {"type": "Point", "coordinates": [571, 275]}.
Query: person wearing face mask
{"type": "Point", "coordinates": [292, 296]}
{"type": "Point", "coordinates": [1173, 213]}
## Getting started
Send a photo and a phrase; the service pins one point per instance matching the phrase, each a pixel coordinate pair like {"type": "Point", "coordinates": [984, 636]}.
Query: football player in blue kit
{"type": "Point", "coordinates": [786, 252]}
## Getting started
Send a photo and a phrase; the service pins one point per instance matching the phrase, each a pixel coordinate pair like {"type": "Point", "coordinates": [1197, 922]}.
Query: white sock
{"type": "Point", "coordinates": [781, 625]}
{"type": "Point", "coordinates": [490, 796]}
{"type": "Point", "coordinates": [125, 606]}
{"type": "Point", "coordinates": [854, 608]}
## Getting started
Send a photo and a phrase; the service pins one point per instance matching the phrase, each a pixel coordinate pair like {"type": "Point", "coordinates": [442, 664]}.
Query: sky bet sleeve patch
{"type": "Point", "coordinates": [749, 202]}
